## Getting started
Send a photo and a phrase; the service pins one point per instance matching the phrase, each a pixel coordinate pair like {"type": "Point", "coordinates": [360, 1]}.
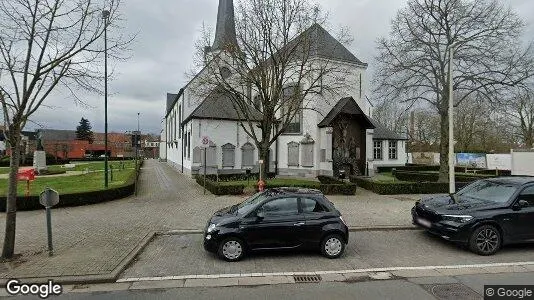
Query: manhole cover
{"type": "Point", "coordinates": [307, 278]}
{"type": "Point", "coordinates": [451, 291]}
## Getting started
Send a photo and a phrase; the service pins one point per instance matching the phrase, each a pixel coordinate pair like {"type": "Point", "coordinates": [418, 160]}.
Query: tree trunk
{"type": "Point", "coordinates": [444, 148]}
{"type": "Point", "coordinates": [11, 203]}
{"type": "Point", "coordinates": [264, 155]}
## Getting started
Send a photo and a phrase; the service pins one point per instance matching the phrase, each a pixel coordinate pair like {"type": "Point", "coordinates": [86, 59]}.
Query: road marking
{"type": "Point", "coordinates": [369, 270]}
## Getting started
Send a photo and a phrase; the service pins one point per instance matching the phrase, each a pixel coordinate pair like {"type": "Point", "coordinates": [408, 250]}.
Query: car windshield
{"type": "Point", "coordinates": [485, 190]}
{"type": "Point", "coordinates": [248, 204]}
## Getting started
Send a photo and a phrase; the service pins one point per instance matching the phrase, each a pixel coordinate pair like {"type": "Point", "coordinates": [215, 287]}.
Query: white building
{"type": "Point", "coordinates": [337, 135]}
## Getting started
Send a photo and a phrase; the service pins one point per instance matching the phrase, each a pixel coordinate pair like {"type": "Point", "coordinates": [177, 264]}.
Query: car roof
{"type": "Point", "coordinates": [295, 190]}
{"type": "Point", "coordinates": [518, 180]}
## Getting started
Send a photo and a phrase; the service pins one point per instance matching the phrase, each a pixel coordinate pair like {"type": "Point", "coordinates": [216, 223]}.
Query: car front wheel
{"type": "Point", "coordinates": [332, 246]}
{"type": "Point", "coordinates": [485, 240]}
{"type": "Point", "coordinates": [231, 249]}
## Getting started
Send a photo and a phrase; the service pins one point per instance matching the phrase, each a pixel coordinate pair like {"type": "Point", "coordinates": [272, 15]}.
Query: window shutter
{"type": "Point", "coordinates": [228, 156]}
{"type": "Point", "coordinates": [293, 154]}
{"type": "Point", "coordinates": [247, 157]}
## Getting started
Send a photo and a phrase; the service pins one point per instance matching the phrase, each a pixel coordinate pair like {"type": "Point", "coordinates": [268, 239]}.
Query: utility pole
{"type": "Point", "coordinates": [105, 16]}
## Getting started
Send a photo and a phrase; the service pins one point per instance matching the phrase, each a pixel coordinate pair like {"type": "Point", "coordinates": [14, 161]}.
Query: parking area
{"type": "Point", "coordinates": [178, 255]}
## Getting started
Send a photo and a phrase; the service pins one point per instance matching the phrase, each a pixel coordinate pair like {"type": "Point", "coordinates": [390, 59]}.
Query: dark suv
{"type": "Point", "coordinates": [281, 218]}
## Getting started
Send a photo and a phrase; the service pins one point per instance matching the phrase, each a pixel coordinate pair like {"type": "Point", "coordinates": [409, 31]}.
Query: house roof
{"type": "Point", "coordinates": [56, 135]}
{"type": "Point", "coordinates": [381, 132]}
{"type": "Point", "coordinates": [171, 101]}
{"type": "Point", "coordinates": [347, 106]}
{"type": "Point", "coordinates": [218, 106]}
{"type": "Point", "coordinates": [225, 30]}
{"type": "Point", "coordinates": [323, 44]}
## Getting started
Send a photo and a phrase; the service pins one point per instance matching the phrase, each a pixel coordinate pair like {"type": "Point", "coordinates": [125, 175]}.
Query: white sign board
{"type": "Point", "coordinates": [523, 163]}
{"type": "Point", "coordinates": [499, 161]}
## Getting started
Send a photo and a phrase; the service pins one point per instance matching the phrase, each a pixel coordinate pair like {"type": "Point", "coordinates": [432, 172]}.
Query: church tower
{"type": "Point", "coordinates": [225, 34]}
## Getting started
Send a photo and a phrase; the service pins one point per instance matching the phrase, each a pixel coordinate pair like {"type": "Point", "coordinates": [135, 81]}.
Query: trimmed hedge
{"type": "Point", "coordinates": [48, 172]}
{"type": "Point", "coordinates": [77, 199]}
{"type": "Point", "coordinates": [417, 176]}
{"type": "Point", "coordinates": [235, 177]}
{"type": "Point", "coordinates": [219, 189]}
{"type": "Point", "coordinates": [394, 188]}
{"type": "Point", "coordinates": [327, 189]}
{"type": "Point", "coordinates": [328, 179]}
{"type": "Point", "coordinates": [420, 176]}
{"type": "Point", "coordinates": [458, 169]}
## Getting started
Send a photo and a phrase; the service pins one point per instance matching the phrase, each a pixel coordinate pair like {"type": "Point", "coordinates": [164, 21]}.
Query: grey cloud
{"type": "Point", "coordinates": [163, 52]}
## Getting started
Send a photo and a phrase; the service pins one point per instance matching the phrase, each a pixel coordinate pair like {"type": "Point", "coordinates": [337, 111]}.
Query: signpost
{"type": "Point", "coordinates": [205, 143]}
{"type": "Point", "coordinates": [49, 198]}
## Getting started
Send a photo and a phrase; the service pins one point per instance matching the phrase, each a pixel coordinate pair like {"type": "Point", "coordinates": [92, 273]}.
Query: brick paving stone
{"type": "Point", "coordinates": [95, 239]}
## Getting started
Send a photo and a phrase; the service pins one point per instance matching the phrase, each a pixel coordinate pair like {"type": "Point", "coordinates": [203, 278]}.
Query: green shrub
{"type": "Point", "coordinates": [328, 179]}
{"type": "Point", "coordinates": [219, 189]}
{"type": "Point", "coordinates": [338, 189]}
{"type": "Point", "coordinates": [51, 172]}
{"type": "Point", "coordinates": [236, 177]}
{"type": "Point", "coordinates": [393, 188]}
{"type": "Point", "coordinates": [421, 176]}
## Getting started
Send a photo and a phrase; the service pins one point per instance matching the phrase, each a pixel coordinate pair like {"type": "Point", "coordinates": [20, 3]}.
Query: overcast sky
{"type": "Point", "coordinates": [163, 52]}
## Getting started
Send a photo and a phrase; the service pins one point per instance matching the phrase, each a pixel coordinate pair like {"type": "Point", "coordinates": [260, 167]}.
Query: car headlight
{"type": "Point", "coordinates": [212, 228]}
{"type": "Point", "coordinates": [457, 218]}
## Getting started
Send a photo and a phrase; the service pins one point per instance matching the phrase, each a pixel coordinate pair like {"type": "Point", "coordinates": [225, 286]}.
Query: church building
{"type": "Point", "coordinates": [338, 136]}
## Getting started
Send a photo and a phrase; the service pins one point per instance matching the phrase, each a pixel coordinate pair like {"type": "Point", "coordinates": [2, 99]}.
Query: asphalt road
{"type": "Point", "coordinates": [176, 255]}
{"type": "Point", "coordinates": [458, 287]}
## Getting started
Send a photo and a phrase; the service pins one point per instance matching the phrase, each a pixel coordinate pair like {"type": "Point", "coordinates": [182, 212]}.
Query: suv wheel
{"type": "Point", "coordinates": [332, 246]}
{"type": "Point", "coordinates": [231, 249]}
{"type": "Point", "coordinates": [485, 240]}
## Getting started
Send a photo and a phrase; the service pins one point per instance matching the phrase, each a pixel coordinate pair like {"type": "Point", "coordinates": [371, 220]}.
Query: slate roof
{"type": "Point", "coordinates": [171, 101]}
{"type": "Point", "coordinates": [322, 44]}
{"type": "Point", "coordinates": [383, 133]}
{"type": "Point", "coordinates": [56, 135]}
{"type": "Point", "coordinates": [347, 106]}
{"type": "Point", "coordinates": [218, 106]}
{"type": "Point", "coordinates": [225, 30]}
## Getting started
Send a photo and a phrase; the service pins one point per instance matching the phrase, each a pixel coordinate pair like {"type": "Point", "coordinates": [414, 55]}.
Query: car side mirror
{"type": "Point", "coordinates": [520, 204]}
{"type": "Point", "coordinates": [523, 203]}
{"type": "Point", "coordinates": [260, 214]}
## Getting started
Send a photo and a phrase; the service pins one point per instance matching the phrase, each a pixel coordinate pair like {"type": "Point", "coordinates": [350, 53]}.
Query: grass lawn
{"type": "Point", "coordinates": [70, 184]}
{"type": "Point", "coordinates": [277, 181]}
{"type": "Point", "coordinates": [92, 166]}
{"type": "Point", "coordinates": [4, 170]}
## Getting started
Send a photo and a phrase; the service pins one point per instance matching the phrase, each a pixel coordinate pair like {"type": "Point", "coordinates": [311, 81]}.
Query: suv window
{"type": "Point", "coordinates": [528, 195]}
{"type": "Point", "coordinates": [311, 206]}
{"type": "Point", "coordinates": [281, 207]}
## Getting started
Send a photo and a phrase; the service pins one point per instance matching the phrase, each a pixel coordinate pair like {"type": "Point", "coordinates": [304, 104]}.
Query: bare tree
{"type": "Point", "coordinates": [45, 45]}
{"type": "Point", "coordinates": [519, 113]}
{"type": "Point", "coordinates": [273, 67]}
{"type": "Point", "coordinates": [413, 62]}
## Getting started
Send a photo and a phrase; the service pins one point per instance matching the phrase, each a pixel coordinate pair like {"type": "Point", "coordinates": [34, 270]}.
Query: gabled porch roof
{"type": "Point", "coordinates": [347, 106]}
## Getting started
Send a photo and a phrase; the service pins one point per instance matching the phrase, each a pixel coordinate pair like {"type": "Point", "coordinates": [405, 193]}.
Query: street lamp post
{"type": "Point", "coordinates": [105, 16]}
{"type": "Point", "coordinates": [452, 184]}
{"type": "Point", "coordinates": [137, 139]}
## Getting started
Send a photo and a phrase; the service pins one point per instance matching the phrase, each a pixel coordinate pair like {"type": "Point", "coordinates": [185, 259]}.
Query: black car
{"type": "Point", "coordinates": [484, 215]}
{"type": "Point", "coordinates": [281, 218]}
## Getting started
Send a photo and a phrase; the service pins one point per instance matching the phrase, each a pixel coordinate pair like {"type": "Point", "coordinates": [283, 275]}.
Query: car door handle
{"type": "Point", "coordinates": [298, 224]}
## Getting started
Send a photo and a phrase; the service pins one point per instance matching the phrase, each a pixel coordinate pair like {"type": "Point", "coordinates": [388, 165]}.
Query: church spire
{"type": "Point", "coordinates": [225, 31]}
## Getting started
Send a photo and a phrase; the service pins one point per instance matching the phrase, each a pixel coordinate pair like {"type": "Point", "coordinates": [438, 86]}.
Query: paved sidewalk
{"type": "Point", "coordinates": [95, 239]}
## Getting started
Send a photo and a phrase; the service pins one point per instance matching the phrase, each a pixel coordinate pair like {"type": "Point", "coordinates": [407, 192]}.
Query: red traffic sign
{"type": "Point", "coordinates": [27, 174]}
{"type": "Point", "coordinates": [205, 142]}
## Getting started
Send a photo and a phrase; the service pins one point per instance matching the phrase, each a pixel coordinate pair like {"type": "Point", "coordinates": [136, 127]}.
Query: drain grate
{"type": "Point", "coordinates": [307, 278]}
{"type": "Point", "coordinates": [451, 291]}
